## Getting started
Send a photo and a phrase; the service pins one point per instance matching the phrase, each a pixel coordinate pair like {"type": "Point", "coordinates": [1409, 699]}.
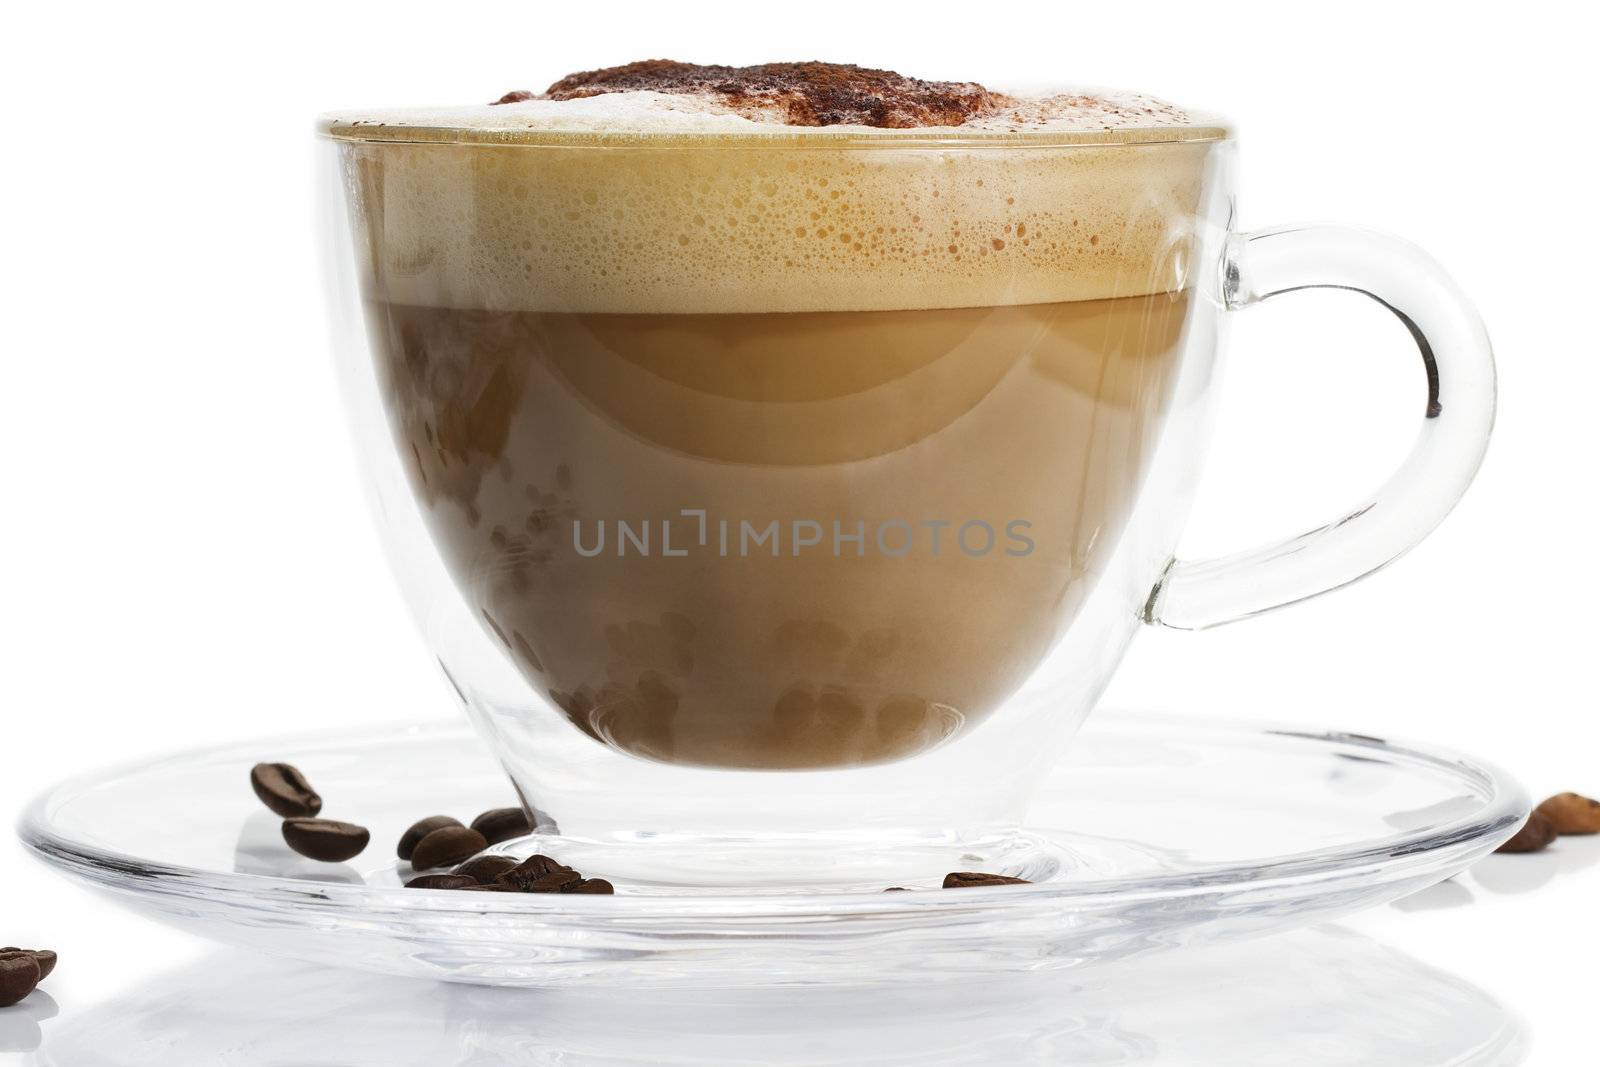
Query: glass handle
{"type": "Point", "coordinates": [1195, 594]}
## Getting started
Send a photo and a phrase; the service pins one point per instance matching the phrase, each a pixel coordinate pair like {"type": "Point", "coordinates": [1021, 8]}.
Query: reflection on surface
{"type": "Point", "coordinates": [1449, 893]}
{"type": "Point", "coordinates": [1527, 872]}
{"type": "Point", "coordinates": [1315, 998]}
{"type": "Point", "coordinates": [19, 1024]}
{"type": "Point", "coordinates": [261, 850]}
{"type": "Point", "coordinates": [1507, 874]}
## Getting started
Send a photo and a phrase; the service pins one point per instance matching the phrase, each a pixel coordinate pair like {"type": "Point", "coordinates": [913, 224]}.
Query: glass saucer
{"type": "Point", "coordinates": [1182, 831]}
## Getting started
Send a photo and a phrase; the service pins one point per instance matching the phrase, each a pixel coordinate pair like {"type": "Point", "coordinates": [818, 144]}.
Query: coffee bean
{"type": "Point", "coordinates": [529, 871]}
{"type": "Point", "coordinates": [486, 868]}
{"type": "Point", "coordinates": [19, 973]}
{"type": "Point", "coordinates": [325, 839]}
{"type": "Point", "coordinates": [285, 790]}
{"type": "Point", "coordinates": [589, 885]}
{"type": "Point", "coordinates": [554, 882]}
{"type": "Point", "coordinates": [1572, 814]}
{"type": "Point", "coordinates": [42, 956]}
{"type": "Point", "coordinates": [897, 889]}
{"type": "Point", "coordinates": [492, 887]}
{"type": "Point", "coordinates": [972, 879]}
{"type": "Point", "coordinates": [442, 881]}
{"type": "Point", "coordinates": [420, 829]}
{"type": "Point", "coordinates": [1535, 835]}
{"type": "Point", "coordinates": [447, 846]}
{"type": "Point", "coordinates": [502, 824]}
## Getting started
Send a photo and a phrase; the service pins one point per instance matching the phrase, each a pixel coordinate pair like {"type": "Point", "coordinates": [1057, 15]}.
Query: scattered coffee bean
{"type": "Point", "coordinates": [19, 974]}
{"type": "Point", "coordinates": [1535, 835]}
{"type": "Point", "coordinates": [325, 839]}
{"type": "Point", "coordinates": [42, 956]}
{"type": "Point", "coordinates": [486, 868]}
{"type": "Point", "coordinates": [589, 885]}
{"type": "Point", "coordinates": [971, 879]}
{"type": "Point", "coordinates": [442, 881]}
{"type": "Point", "coordinates": [555, 882]}
{"type": "Point", "coordinates": [447, 846]}
{"type": "Point", "coordinates": [502, 824]}
{"type": "Point", "coordinates": [285, 790]}
{"type": "Point", "coordinates": [1572, 814]}
{"type": "Point", "coordinates": [420, 829]}
{"type": "Point", "coordinates": [529, 871]}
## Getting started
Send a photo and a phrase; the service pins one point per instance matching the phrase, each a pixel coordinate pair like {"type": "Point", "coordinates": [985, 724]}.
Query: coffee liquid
{"type": "Point", "coordinates": [773, 455]}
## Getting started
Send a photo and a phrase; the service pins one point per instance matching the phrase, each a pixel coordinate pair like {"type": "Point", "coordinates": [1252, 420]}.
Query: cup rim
{"type": "Point", "coordinates": [358, 131]}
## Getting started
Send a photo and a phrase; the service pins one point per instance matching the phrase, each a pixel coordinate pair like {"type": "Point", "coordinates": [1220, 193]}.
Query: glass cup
{"type": "Point", "coordinates": [779, 506]}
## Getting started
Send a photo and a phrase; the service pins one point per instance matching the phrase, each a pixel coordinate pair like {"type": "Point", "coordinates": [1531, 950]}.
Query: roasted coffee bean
{"type": "Point", "coordinates": [442, 881]}
{"type": "Point", "coordinates": [420, 829]}
{"type": "Point", "coordinates": [1535, 835]}
{"type": "Point", "coordinates": [589, 885]}
{"type": "Point", "coordinates": [42, 956]}
{"type": "Point", "coordinates": [971, 879]}
{"type": "Point", "coordinates": [1572, 814]}
{"type": "Point", "coordinates": [493, 887]}
{"type": "Point", "coordinates": [325, 839]}
{"type": "Point", "coordinates": [556, 881]}
{"type": "Point", "coordinates": [285, 790]}
{"type": "Point", "coordinates": [446, 847]}
{"type": "Point", "coordinates": [529, 871]}
{"type": "Point", "coordinates": [485, 869]}
{"type": "Point", "coordinates": [19, 974]}
{"type": "Point", "coordinates": [502, 824]}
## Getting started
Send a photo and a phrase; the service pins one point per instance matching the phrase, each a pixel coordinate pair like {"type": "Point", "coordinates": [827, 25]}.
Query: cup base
{"type": "Point", "coordinates": [809, 863]}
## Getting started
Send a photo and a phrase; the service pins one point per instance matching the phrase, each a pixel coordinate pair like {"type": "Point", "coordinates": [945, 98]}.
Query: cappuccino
{"type": "Point", "coordinates": [753, 439]}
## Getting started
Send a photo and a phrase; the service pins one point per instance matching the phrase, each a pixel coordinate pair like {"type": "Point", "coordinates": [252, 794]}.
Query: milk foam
{"type": "Point", "coordinates": [659, 203]}
{"type": "Point", "coordinates": [648, 112]}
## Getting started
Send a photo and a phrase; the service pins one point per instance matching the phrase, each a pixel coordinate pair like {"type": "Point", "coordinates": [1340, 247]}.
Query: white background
{"type": "Point", "coordinates": [185, 553]}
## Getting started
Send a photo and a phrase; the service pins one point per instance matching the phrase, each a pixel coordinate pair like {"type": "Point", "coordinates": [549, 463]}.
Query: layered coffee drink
{"type": "Point", "coordinates": [751, 439]}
